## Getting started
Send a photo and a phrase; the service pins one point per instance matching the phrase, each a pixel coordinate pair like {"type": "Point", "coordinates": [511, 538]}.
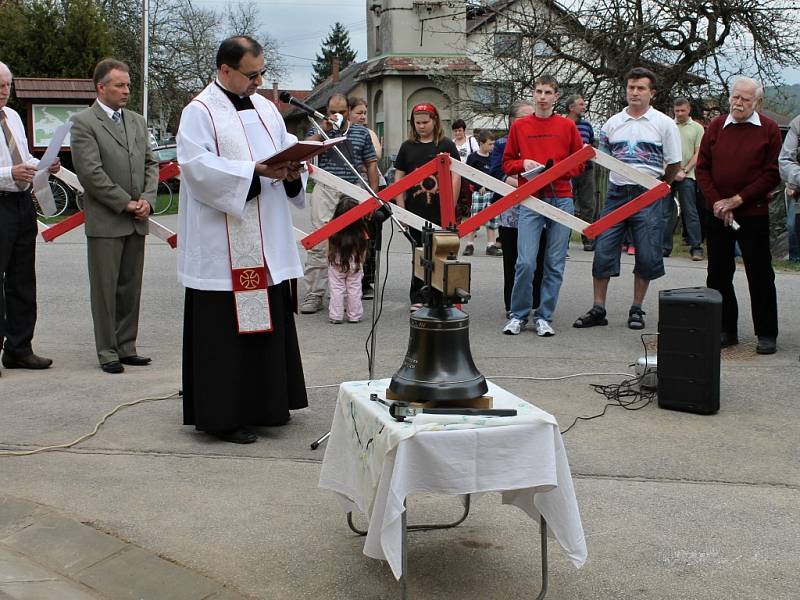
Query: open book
{"type": "Point", "coordinates": [304, 150]}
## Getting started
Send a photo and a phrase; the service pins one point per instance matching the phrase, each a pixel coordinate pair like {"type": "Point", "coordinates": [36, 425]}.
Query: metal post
{"type": "Point", "coordinates": [145, 54]}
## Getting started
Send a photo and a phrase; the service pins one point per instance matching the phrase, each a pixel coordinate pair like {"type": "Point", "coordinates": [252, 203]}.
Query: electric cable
{"type": "Point", "coordinates": [625, 389]}
{"type": "Point", "coordinates": [92, 433]}
{"type": "Point", "coordinates": [380, 304]}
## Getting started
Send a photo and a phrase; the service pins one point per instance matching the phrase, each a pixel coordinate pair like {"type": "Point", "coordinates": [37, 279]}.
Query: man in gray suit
{"type": "Point", "coordinates": [119, 175]}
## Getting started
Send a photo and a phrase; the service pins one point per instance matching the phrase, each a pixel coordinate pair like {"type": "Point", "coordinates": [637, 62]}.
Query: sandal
{"type": "Point", "coordinates": [636, 318]}
{"type": "Point", "coordinates": [595, 316]}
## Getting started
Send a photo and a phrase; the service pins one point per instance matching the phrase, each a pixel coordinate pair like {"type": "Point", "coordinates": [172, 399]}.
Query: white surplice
{"type": "Point", "coordinates": [213, 186]}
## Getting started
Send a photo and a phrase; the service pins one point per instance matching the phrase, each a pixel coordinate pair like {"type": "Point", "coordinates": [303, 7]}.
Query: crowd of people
{"type": "Point", "coordinates": [238, 259]}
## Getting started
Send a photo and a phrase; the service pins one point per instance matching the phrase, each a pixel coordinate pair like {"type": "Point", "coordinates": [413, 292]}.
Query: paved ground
{"type": "Point", "coordinates": [674, 505]}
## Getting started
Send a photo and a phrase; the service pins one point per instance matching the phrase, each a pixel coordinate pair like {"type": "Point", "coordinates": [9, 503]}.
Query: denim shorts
{"type": "Point", "coordinates": [645, 227]}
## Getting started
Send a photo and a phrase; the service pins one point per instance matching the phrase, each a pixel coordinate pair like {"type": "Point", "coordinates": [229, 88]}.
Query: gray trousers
{"type": "Point", "coordinates": [115, 282]}
{"type": "Point", "coordinates": [323, 202]}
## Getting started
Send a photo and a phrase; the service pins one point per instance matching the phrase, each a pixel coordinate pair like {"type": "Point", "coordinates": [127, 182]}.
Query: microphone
{"type": "Point", "coordinates": [289, 99]}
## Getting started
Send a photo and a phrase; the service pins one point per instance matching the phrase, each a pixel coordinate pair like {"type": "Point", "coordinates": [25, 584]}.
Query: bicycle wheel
{"type": "Point", "coordinates": [163, 198]}
{"type": "Point", "coordinates": [60, 197]}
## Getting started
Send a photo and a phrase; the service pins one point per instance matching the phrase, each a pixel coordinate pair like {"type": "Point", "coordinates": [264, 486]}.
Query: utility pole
{"type": "Point", "coordinates": [145, 54]}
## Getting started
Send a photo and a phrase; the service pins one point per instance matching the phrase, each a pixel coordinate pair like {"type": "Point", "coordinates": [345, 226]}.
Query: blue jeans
{"type": "Point", "coordinates": [686, 192]}
{"type": "Point", "coordinates": [645, 227]}
{"type": "Point", "coordinates": [529, 231]}
{"type": "Point", "coordinates": [791, 229]}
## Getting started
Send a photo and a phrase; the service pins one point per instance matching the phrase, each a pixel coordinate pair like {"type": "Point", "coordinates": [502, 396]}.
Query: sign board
{"type": "Point", "coordinates": [46, 118]}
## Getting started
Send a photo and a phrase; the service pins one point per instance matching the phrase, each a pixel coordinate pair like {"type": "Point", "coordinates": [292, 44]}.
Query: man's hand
{"type": "Point", "coordinates": [723, 209]}
{"type": "Point", "coordinates": [23, 173]}
{"type": "Point", "coordinates": [55, 167]}
{"type": "Point", "coordinates": [276, 171]}
{"type": "Point", "coordinates": [293, 171]}
{"type": "Point", "coordinates": [529, 164]}
{"type": "Point", "coordinates": [140, 209]}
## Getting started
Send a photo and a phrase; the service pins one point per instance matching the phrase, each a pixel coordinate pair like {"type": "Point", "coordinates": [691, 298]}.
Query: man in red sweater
{"type": "Point", "coordinates": [737, 170]}
{"type": "Point", "coordinates": [535, 141]}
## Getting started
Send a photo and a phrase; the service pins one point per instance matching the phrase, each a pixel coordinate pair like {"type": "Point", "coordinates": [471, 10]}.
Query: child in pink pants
{"type": "Point", "coordinates": [346, 251]}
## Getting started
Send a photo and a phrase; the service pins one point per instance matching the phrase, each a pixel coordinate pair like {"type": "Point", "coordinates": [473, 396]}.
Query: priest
{"type": "Point", "coordinates": [237, 255]}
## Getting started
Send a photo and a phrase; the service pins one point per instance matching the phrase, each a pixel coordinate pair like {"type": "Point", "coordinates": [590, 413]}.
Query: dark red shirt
{"type": "Point", "coordinates": [740, 159]}
{"type": "Point", "coordinates": [538, 139]}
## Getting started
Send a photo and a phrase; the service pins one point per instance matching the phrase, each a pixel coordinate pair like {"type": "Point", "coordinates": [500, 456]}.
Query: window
{"type": "Point", "coordinates": [507, 44]}
{"type": "Point", "coordinates": [492, 96]}
{"type": "Point", "coordinates": [541, 48]}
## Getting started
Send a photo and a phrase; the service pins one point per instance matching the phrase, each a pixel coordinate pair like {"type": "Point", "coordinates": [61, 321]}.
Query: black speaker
{"type": "Point", "coordinates": [689, 327]}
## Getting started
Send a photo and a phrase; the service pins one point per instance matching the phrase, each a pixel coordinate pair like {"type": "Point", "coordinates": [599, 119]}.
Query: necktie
{"type": "Point", "coordinates": [117, 118]}
{"type": "Point", "coordinates": [13, 149]}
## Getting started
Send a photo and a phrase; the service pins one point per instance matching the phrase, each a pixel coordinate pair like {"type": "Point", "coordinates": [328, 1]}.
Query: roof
{"type": "Point", "coordinates": [477, 16]}
{"type": "Point", "coordinates": [318, 97]}
{"type": "Point", "coordinates": [273, 95]}
{"type": "Point", "coordinates": [30, 88]}
{"type": "Point", "coordinates": [421, 65]}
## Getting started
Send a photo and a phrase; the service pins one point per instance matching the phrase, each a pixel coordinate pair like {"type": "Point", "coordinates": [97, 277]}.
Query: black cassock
{"type": "Point", "coordinates": [232, 380]}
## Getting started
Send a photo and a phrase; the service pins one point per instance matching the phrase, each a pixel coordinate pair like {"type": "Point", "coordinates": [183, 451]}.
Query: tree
{"type": "Point", "coordinates": [336, 45]}
{"type": "Point", "coordinates": [52, 39]}
{"type": "Point", "coordinates": [696, 47]}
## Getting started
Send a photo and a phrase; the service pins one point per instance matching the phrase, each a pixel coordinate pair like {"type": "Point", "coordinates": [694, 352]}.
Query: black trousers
{"type": "Point", "coordinates": [17, 272]}
{"type": "Point", "coordinates": [508, 239]}
{"type": "Point", "coordinates": [753, 238]}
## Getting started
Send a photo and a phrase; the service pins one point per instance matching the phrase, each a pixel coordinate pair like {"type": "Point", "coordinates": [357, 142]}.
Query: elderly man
{"type": "Point", "coordinates": [737, 171]}
{"type": "Point", "coordinates": [17, 239]}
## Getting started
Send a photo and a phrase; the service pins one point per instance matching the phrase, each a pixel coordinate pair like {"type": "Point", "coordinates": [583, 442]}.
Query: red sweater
{"type": "Point", "coordinates": [532, 137]}
{"type": "Point", "coordinates": [740, 159]}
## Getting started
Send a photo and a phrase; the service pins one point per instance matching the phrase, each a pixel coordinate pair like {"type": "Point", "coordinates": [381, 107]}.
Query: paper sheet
{"type": "Point", "coordinates": [41, 187]}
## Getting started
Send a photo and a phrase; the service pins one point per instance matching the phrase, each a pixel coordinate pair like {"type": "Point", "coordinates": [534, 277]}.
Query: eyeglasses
{"type": "Point", "coordinates": [252, 76]}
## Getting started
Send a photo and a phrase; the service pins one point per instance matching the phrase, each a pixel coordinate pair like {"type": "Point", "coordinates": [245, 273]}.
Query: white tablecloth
{"type": "Point", "coordinates": [373, 462]}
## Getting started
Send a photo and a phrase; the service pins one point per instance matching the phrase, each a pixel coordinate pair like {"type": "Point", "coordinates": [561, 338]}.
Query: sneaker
{"type": "Point", "coordinates": [596, 316]}
{"type": "Point", "coordinates": [636, 318]}
{"type": "Point", "coordinates": [469, 250]}
{"type": "Point", "coordinates": [631, 250]}
{"type": "Point", "coordinates": [335, 321]}
{"type": "Point", "coordinates": [514, 326]}
{"type": "Point", "coordinates": [543, 328]}
{"type": "Point", "coordinates": [367, 292]}
{"type": "Point", "coordinates": [354, 320]}
{"type": "Point", "coordinates": [311, 305]}
{"type": "Point", "coordinates": [492, 250]}
{"type": "Point", "coordinates": [697, 255]}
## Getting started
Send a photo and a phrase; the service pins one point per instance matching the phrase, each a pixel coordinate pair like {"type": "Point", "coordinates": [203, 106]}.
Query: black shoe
{"type": "Point", "coordinates": [636, 318]}
{"type": "Point", "coordinates": [31, 361]}
{"type": "Point", "coordinates": [113, 367]}
{"type": "Point", "coordinates": [469, 250]}
{"type": "Point", "coordinates": [135, 360]}
{"type": "Point", "coordinates": [588, 247]}
{"type": "Point", "coordinates": [237, 436]}
{"type": "Point", "coordinates": [596, 316]}
{"type": "Point", "coordinates": [727, 339]}
{"type": "Point", "coordinates": [367, 292]}
{"type": "Point", "coordinates": [766, 345]}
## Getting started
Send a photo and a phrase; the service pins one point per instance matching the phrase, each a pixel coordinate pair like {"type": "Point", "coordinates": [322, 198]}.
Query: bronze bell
{"type": "Point", "coordinates": [438, 365]}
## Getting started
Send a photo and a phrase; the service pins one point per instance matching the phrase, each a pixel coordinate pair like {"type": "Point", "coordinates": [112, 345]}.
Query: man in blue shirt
{"type": "Point", "coordinates": [583, 192]}
{"type": "Point", "coordinates": [360, 151]}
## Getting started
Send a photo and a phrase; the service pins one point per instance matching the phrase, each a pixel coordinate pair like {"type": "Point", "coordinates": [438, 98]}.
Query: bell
{"type": "Point", "coordinates": [438, 365]}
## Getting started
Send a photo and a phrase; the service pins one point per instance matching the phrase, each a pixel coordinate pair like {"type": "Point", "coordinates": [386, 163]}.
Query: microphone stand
{"type": "Point", "coordinates": [379, 216]}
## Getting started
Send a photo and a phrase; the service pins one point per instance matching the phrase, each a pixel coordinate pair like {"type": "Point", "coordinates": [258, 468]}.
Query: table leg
{"type": "Point", "coordinates": [420, 527]}
{"type": "Point", "coordinates": [543, 535]}
{"type": "Point", "coordinates": [404, 554]}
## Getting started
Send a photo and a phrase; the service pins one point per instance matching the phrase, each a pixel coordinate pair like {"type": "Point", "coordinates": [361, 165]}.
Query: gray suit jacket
{"type": "Point", "coordinates": [111, 171]}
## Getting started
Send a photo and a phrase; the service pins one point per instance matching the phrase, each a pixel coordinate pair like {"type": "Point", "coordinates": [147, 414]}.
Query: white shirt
{"type": "Point", "coordinates": [7, 183]}
{"type": "Point", "coordinates": [469, 146]}
{"type": "Point", "coordinates": [646, 143]}
{"type": "Point", "coordinates": [213, 187]}
{"type": "Point", "coordinates": [754, 119]}
{"type": "Point", "coordinates": [109, 111]}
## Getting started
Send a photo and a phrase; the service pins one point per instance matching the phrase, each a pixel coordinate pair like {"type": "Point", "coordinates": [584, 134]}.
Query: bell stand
{"type": "Point", "coordinates": [379, 216]}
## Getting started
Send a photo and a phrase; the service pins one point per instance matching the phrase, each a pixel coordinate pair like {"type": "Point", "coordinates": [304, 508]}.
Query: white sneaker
{"type": "Point", "coordinates": [543, 328]}
{"type": "Point", "coordinates": [514, 326]}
